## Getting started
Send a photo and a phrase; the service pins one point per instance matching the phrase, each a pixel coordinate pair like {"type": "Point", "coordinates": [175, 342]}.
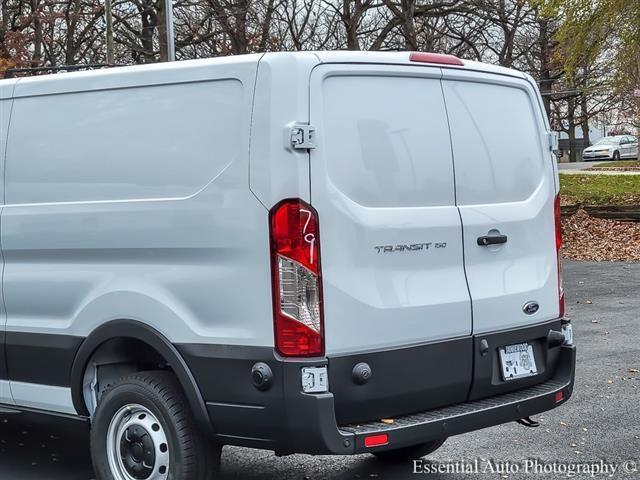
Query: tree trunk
{"type": "Point", "coordinates": [585, 121]}
{"type": "Point", "coordinates": [108, 10]}
{"type": "Point", "coordinates": [264, 36]}
{"type": "Point", "coordinates": [545, 82]}
{"type": "Point", "coordinates": [162, 31]}
{"type": "Point", "coordinates": [72, 17]}
{"type": "Point", "coordinates": [350, 21]}
{"type": "Point", "coordinates": [149, 19]}
{"type": "Point", "coordinates": [408, 25]}
{"type": "Point", "coordinates": [36, 59]}
{"type": "Point", "coordinates": [571, 112]}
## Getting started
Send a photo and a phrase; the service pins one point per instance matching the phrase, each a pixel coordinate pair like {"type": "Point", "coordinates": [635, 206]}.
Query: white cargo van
{"type": "Point", "coordinates": [279, 251]}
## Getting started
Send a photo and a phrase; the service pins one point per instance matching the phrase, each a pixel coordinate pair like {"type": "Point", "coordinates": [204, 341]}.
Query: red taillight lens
{"type": "Point", "coordinates": [558, 222]}
{"type": "Point", "coordinates": [296, 279]}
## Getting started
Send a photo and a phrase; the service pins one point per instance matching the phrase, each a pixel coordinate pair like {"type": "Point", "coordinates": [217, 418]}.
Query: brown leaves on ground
{"type": "Point", "coordinates": [597, 239]}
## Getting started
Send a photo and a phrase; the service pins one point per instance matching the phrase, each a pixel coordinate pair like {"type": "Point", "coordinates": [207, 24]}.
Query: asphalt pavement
{"type": "Point", "coordinates": [575, 165]}
{"type": "Point", "coordinates": [601, 423]}
{"type": "Point", "coordinates": [580, 168]}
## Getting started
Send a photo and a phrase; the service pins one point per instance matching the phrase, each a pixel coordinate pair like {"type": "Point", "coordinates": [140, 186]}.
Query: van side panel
{"type": "Point", "coordinates": [157, 225]}
{"type": "Point", "coordinates": [281, 99]}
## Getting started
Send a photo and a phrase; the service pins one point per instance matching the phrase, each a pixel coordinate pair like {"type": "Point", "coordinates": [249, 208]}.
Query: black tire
{"type": "Point", "coordinates": [409, 453]}
{"type": "Point", "coordinates": [616, 156]}
{"type": "Point", "coordinates": [156, 397]}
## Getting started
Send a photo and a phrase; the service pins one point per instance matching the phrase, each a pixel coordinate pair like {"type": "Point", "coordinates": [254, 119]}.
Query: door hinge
{"type": "Point", "coordinates": [552, 139]}
{"type": "Point", "coordinates": [302, 136]}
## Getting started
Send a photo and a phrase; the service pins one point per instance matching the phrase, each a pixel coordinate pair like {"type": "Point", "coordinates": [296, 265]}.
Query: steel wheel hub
{"type": "Point", "coordinates": [137, 447]}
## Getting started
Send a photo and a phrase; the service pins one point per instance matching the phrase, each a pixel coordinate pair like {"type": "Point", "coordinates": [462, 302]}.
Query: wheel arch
{"type": "Point", "coordinates": [135, 330]}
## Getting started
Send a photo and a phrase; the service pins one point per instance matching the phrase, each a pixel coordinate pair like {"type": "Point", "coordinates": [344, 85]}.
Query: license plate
{"type": "Point", "coordinates": [517, 361]}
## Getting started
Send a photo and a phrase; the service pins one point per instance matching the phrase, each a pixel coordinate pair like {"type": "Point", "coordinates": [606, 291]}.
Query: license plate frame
{"type": "Point", "coordinates": [517, 361]}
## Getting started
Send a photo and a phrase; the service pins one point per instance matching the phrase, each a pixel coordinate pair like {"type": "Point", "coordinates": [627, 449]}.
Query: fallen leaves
{"type": "Point", "coordinates": [598, 239]}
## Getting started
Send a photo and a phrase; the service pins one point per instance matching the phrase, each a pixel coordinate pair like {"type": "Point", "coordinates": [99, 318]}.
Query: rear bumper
{"type": "Point", "coordinates": [466, 417]}
{"type": "Point", "coordinates": [287, 421]}
{"type": "Point", "coordinates": [313, 427]}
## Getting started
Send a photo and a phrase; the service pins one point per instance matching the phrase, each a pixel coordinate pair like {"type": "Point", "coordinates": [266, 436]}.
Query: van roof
{"type": "Point", "coordinates": [350, 56]}
{"type": "Point", "coordinates": [51, 84]}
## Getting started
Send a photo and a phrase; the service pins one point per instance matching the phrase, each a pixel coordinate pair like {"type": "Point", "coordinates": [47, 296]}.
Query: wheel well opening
{"type": "Point", "coordinates": [114, 359]}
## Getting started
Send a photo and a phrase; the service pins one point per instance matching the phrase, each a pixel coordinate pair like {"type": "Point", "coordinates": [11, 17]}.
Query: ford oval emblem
{"type": "Point", "coordinates": [530, 308]}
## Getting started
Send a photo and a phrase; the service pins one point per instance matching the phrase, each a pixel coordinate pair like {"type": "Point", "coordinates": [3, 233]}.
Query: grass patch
{"type": "Point", "coordinates": [600, 189]}
{"type": "Point", "coordinates": [619, 164]}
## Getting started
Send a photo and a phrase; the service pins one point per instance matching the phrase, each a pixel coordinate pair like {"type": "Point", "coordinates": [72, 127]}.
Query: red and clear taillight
{"type": "Point", "coordinates": [296, 279]}
{"type": "Point", "coordinates": [558, 222]}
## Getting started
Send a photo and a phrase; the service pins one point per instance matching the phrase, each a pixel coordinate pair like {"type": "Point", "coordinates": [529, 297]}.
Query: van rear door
{"type": "Point", "coordinates": [505, 190]}
{"type": "Point", "coordinates": [395, 293]}
{"type": "Point", "coordinates": [382, 183]}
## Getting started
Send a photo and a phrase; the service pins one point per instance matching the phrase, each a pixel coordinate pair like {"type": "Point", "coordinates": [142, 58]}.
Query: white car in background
{"type": "Point", "coordinates": [612, 148]}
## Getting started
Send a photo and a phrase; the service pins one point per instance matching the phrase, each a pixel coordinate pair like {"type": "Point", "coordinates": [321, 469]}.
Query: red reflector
{"type": "Point", "coordinates": [440, 58]}
{"type": "Point", "coordinates": [559, 396]}
{"type": "Point", "coordinates": [376, 440]}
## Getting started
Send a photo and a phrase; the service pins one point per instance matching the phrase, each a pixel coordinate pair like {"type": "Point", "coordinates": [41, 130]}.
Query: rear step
{"type": "Point", "coordinates": [458, 410]}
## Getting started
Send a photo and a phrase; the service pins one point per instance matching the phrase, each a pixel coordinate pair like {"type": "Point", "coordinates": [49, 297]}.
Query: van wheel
{"type": "Point", "coordinates": [143, 429]}
{"type": "Point", "coordinates": [409, 453]}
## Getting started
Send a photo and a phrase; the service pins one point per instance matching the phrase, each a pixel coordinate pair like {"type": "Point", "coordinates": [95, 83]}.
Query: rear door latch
{"type": "Point", "coordinates": [302, 136]}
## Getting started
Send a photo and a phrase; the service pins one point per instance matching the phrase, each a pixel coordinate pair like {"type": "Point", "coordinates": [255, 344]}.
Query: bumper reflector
{"type": "Point", "coordinates": [559, 396]}
{"type": "Point", "coordinates": [376, 440]}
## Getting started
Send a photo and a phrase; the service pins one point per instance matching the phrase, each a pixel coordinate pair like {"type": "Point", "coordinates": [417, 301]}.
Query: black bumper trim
{"type": "Point", "coordinates": [286, 420]}
{"type": "Point", "coordinates": [465, 417]}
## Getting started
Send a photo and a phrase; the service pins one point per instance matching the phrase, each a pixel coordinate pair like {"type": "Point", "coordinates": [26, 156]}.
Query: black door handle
{"type": "Point", "coordinates": [492, 240]}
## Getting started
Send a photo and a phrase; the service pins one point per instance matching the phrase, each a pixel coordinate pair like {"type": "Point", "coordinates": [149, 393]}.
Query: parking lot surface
{"type": "Point", "coordinates": [601, 423]}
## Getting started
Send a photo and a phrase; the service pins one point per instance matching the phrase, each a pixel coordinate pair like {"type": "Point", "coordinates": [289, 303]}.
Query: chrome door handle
{"type": "Point", "coordinates": [492, 240]}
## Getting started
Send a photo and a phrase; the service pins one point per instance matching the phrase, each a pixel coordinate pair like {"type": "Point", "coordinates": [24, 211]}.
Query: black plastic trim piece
{"type": "Point", "coordinates": [487, 372]}
{"type": "Point", "coordinates": [16, 409]}
{"type": "Point", "coordinates": [286, 420]}
{"type": "Point", "coordinates": [43, 359]}
{"type": "Point", "coordinates": [3, 358]}
{"type": "Point", "coordinates": [402, 380]}
{"type": "Point", "coordinates": [282, 418]}
{"type": "Point", "coordinates": [223, 375]}
{"type": "Point", "coordinates": [154, 339]}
